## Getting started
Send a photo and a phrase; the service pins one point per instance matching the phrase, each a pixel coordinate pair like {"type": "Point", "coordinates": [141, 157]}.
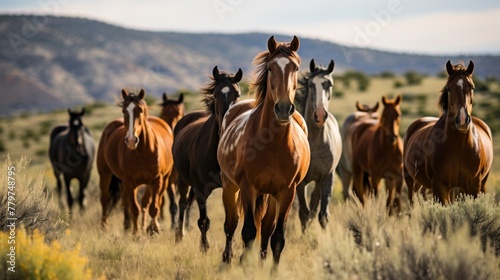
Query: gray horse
{"type": "Point", "coordinates": [313, 98]}
{"type": "Point", "coordinates": [71, 153]}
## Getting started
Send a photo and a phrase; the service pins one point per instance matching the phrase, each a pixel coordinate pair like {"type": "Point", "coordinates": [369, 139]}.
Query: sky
{"type": "Point", "coordinates": [414, 26]}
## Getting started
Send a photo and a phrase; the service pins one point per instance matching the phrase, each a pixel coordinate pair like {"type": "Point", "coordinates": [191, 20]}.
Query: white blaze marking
{"type": "Point", "coordinates": [130, 111]}
{"type": "Point", "coordinates": [225, 90]}
{"type": "Point", "coordinates": [282, 62]}
{"type": "Point", "coordinates": [460, 83]}
{"type": "Point", "coordinates": [463, 115]}
{"type": "Point", "coordinates": [75, 122]}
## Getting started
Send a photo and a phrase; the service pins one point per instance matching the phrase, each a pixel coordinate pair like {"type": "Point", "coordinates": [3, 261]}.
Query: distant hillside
{"type": "Point", "coordinates": [54, 62]}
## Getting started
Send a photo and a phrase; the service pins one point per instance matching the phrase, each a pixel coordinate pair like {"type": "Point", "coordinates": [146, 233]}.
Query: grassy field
{"type": "Point", "coordinates": [360, 243]}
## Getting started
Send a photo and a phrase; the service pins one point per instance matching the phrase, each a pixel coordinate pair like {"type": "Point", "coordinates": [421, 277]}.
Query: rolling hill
{"type": "Point", "coordinates": [51, 62]}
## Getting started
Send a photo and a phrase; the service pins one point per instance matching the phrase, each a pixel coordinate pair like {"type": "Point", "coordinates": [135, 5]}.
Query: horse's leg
{"type": "Point", "coordinates": [358, 182]}
{"type": "Point", "coordinates": [482, 188]}
{"type": "Point", "coordinates": [268, 223]}
{"type": "Point", "coordinates": [203, 221]}
{"type": "Point", "coordinates": [314, 202]}
{"type": "Point", "coordinates": [157, 188]}
{"type": "Point", "coordinates": [146, 204]}
{"type": "Point", "coordinates": [303, 207]}
{"type": "Point", "coordinates": [59, 188]}
{"type": "Point", "coordinates": [390, 185]}
{"type": "Point", "coordinates": [69, 196]}
{"type": "Point", "coordinates": [188, 209]}
{"type": "Point", "coordinates": [441, 192]}
{"type": "Point", "coordinates": [249, 230]}
{"type": "Point", "coordinates": [183, 203]}
{"type": "Point", "coordinates": [104, 185]}
{"type": "Point", "coordinates": [326, 186]}
{"type": "Point", "coordinates": [346, 178]}
{"type": "Point", "coordinates": [230, 201]}
{"type": "Point", "coordinates": [171, 196]}
{"type": "Point", "coordinates": [410, 183]}
{"type": "Point", "coordinates": [84, 181]}
{"type": "Point", "coordinates": [285, 199]}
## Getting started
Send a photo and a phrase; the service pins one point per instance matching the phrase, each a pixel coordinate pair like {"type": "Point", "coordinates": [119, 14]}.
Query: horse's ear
{"type": "Point", "coordinates": [294, 45]}
{"type": "Point", "coordinates": [312, 65]}
{"type": "Point", "coordinates": [180, 99]}
{"type": "Point", "coordinates": [165, 97]}
{"type": "Point", "coordinates": [69, 111]}
{"type": "Point", "coordinates": [124, 94]}
{"type": "Point", "coordinates": [375, 108]}
{"type": "Point", "coordinates": [331, 66]}
{"type": "Point", "coordinates": [470, 68]}
{"type": "Point", "coordinates": [271, 44]}
{"type": "Point", "coordinates": [142, 94]}
{"type": "Point", "coordinates": [216, 73]}
{"type": "Point", "coordinates": [358, 107]}
{"type": "Point", "coordinates": [398, 99]}
{"type": "Point", "coordinates": [82, 112]}
{"type": "Point", "coordinates": [384, 100]}
{"type": "Point", "coordinates": [449, 68]}
{"type": "Point", "coordinates": [239, 75]}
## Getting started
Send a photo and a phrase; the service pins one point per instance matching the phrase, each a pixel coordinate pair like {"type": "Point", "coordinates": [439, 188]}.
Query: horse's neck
{"type": "Point", "coordinates": [470, 138]}
{"type": "Point", "coordinates": [147, 136]}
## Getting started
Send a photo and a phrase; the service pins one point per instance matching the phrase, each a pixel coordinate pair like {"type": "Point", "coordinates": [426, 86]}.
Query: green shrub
{"type": "Point", "coordinates": [398, 84]}
{"type": "Point", "coordinates": [413, 78]}
{"type": "Point", "coordinates": [338, 94]}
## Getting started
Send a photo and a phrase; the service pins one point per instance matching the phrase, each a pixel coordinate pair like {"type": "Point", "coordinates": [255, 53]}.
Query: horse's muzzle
{"type": "Point", "coordinates": [462, 122]}
{"type": "Point", "coordinates": [283, 111]}
{"type": "Point", "coordinates": [131, 142]}
{"type": "Point", "coordinates": [320, 121]}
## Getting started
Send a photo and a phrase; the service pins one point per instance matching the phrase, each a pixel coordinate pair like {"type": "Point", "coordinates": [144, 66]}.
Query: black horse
{"type": "Point", "coordinates": [71, 153]}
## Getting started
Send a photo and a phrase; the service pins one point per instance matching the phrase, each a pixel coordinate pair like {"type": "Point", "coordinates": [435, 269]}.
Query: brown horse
{"type": "Point", "coordinates": [136, 151]}
{"type": "Point", "coordinates": [454, 151]}
{"type": "Point", "coordinates": [344, 169]}
{"type": "Point", "coordinates": [377, 152]}
{"type": "Point", "coordinates": [195, 149]}
{"type": "Point", "coordinates": [264, 151]}
{"type": "Point", "coordinates": [171, 112]}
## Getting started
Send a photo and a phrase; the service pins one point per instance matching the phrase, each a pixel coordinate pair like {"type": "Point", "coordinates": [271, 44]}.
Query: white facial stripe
{"type": "Point", "coordinates": [225, 90]}
{"type": "Point", "coordinates": [130, 111]}
{"type": "Point", "coordinates": [463, 115]}
{"type": "Point", "coordinates": [75, 122]}
{"type": "Point", "coordinates": [460, 83]}
{"type": "Point", "coordinates": [282, 62]}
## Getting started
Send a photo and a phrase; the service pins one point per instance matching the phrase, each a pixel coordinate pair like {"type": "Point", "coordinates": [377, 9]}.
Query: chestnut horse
{"type": "Point", "coordinates": [377, 152]}
{"type": "Point", "coordinates": [195, 149]}
{"type": "Point", "coordinates": [71, 153]}
{"type": "Point", "coordinates": [264, 151]}
{"type": "Point", "coordinates": [313, 99]}
{"type": "Point", "coordinates": [454, 151]}
{"type": "Point", "coordinates": [136, 151]}
{"type": "Point", "coordinates": [344, 169]}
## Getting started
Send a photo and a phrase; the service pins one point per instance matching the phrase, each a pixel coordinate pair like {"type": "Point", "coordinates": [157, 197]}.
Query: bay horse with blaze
{"type": "Point", "coordinates": [137, 151]}
{"type": "Point", "coordinates": [313, 99]}
{"type": "Point", "coordinates": [264, 153]}
{"type": "Point", "coordinates": [454, 150]}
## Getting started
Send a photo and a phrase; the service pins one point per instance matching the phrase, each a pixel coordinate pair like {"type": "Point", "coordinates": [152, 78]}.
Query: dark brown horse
{"type": "Point", "coordinates": [377, 153]}
{"type": "Point", "coordinates": [137, 151]}
{"type": "Point", "coordinates": [195, 149]}
{"type": "Point", "coordinates": [350, 125]}
{"type": "Point", "coordinates": [71, 153]}
{"type": "Point", "coordinates": [264, 153]}
{"type": "Point", "coordinates": [454, 151]}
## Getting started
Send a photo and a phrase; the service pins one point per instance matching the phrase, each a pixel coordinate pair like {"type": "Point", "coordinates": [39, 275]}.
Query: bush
{"type": "Point", "coordinates": [2, 146]}
{"type": "Point", "coordinates": [338, 94]}
{"type": "Point", "coordinates": [36, 259]}
{"type": "Point", "coordinates": [398, 84]}
{"type": "Point", "coordinates": [413, 78]}
{"type": "Point", "coordinates": [34, 207]}
{"type": "Point", "coordinates": [387, 75]}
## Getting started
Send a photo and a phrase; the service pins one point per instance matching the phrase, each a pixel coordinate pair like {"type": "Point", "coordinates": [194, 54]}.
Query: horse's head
{"type": "Point", "coordinates": [319, 88]}
{"type": "Point", "coordinates": [458, 95]}
{"type": "Point", "coordinates": [365, 108]}
{"type": "Point", "coordinates": [391, 118]}
{"type": "Point", "coordinates": [281, 66]}
{"type": "Point", "coordinates": [172, 110]}
{"type": "Point", "coordinates": [76, 128]}
{"type": "Point", "coordinates": [135, 113]}
{"type": "Point", "coordinates": [222, 92]}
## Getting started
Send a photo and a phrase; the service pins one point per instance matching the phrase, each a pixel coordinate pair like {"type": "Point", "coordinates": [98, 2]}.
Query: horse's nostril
{"type": "Point", "coordinates": [292, 109]}
{"type": "Point", "coordinates": [276, 108]}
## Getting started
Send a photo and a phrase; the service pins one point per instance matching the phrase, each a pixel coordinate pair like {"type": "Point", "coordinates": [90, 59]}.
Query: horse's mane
{"type": "Point", "coordinates": [261, 60]}
{"type": "Point", "coordinates": [208, 92]}
{"type": "Point", "coordinates": [458, 70]}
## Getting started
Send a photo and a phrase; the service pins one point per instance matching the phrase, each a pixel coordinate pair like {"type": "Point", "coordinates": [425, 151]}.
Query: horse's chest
{"type": "Point", "coordinates": [457, 166]}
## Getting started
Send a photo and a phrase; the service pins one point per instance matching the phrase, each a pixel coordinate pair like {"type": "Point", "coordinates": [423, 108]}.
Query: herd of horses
{"type": "Point", "coordinates": [265, 151]}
